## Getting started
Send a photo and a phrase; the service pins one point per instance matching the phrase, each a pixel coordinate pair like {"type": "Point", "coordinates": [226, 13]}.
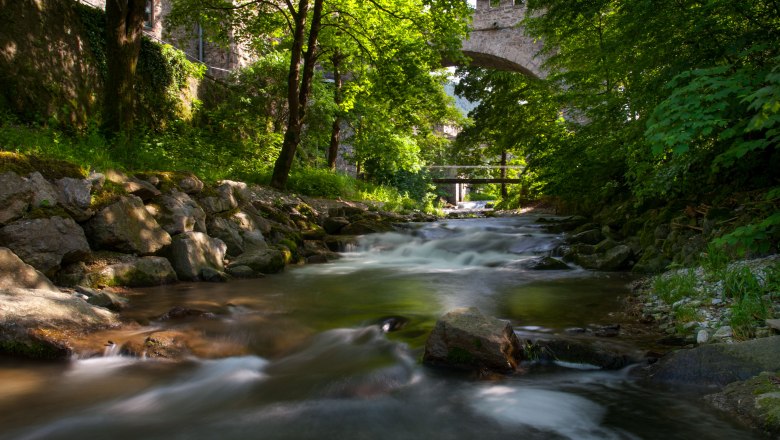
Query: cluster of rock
{"type": "Point", "coordinates": [708, 303]}
{"type": "Point", "coordinates": [159, 228]}
{"type": "Point", "coordinates": [112, 229]}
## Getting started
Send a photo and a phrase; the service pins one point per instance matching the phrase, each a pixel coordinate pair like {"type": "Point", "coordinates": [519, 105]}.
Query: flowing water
{"type": "Point", "coordinates": [314, 362]}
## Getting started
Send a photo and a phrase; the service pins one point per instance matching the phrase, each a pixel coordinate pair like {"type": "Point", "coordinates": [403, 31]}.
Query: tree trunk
{"type": "Point", "coordinates": [504, 192]}
{"type": "Point", "coordinates": [335, 133]}
{"type": "Point", "coordinates": [298, 88]}
{"type": "Point", "coordinates": [124, 29]}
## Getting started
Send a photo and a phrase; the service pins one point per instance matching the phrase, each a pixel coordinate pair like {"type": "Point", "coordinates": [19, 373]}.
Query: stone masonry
{"type": "Point", "coordinates": [497, 41]}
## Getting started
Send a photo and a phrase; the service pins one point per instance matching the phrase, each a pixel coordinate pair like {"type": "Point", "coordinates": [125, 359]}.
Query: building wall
{"type": "Point", "coordinates": [220, 61]}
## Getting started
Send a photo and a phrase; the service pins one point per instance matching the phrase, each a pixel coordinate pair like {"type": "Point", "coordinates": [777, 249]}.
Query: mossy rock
{"type": "Point", "coordinates": [755, 402]}
{"type": "Point", "coordinates": [109, 193]}
{"type": "Point", "coordinates": [33, 349]}
{"type": "Point", "coordinates": [51, 169]}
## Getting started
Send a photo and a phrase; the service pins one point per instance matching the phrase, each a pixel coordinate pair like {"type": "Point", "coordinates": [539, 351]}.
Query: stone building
{"type": "Point", "coordinates": [220, 61]}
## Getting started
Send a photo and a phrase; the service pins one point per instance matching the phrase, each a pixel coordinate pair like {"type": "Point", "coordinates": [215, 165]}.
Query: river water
{"type": "Point", "coordinates": [314, 362]}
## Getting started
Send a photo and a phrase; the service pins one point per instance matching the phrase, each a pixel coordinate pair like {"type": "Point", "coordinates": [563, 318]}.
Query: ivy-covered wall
{"type": "Point", "coordinates": [53, 60]}
{"type": "Point", "coordinates": [48, 70]}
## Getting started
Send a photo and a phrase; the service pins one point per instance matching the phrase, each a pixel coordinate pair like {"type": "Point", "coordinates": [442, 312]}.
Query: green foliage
{"type": "Point", "coordinates": [321, 183]}
{"type": "Point", "coordinates": [93, 21]}
{"type": "Point", "coordinates": [754, 237]}
{"type": "Point", "coordinates": [666, 98]}
{"type": "Point", "coordinates": [163, 84]}
{"type": "Point", "coordinates": [163, 73]}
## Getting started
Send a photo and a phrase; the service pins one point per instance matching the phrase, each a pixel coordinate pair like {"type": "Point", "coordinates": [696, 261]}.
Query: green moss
{"type": "Point", "coordinates": [52, 169]}
{"type": "Point", "coordinates": [108, 194]}
{"type": "Point", "coordinates": [32, 350]}
{"type": "Point", "coordinates": [46, 212]}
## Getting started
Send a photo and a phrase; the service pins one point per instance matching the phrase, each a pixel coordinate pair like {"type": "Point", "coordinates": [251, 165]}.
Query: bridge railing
{"type": "Point", "coordinates": [471, 174]}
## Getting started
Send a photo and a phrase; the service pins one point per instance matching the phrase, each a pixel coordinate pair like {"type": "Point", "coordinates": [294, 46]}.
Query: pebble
{"type": "Point", "coordinates": [702, 337]}
{"type": "Point", "coordinates": [723, 333]}
{"type": "Point", "coordinates": [716, 301]}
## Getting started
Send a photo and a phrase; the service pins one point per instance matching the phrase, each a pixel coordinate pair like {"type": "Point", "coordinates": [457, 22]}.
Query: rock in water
{"type": "Point", "coordinates": [466, 339]}
{"type": "Point", "coordinates": [718, 364]}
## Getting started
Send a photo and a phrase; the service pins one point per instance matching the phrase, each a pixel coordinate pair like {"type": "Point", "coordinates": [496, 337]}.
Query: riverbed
{"type": "Point", "coordinates": [319, 360]}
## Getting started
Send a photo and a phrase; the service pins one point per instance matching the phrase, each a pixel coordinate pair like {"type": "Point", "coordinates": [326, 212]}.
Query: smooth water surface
{"type": "Point", "coordinates": [315, 363]}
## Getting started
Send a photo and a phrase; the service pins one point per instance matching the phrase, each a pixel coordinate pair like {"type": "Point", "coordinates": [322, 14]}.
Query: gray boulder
{"type": "Point", "coordinates": [365, 226]}
{"type": "Point", "coordinates": [46, 243]}
{"type": "Point", "coordinates": [239, 190]}
{"type": "Point", "coordinates": [222, 201]}
{"type": "Point", "coordinates": [75, 195]}
{"type": "Point", "coordinates": [334, 225]}
{"type": "Point", "coordinates": [240, 231]}
{"type": "Point", "coordinates": [755, 401]}
{"type": "Point", "coordinates": [191, 252]}
{"type": "Point", "coordinates": [132, 185]}
{"type": "Point", "coordinates": [616, 258]}
{"type": "Point", "coordinates": [44, 193]}
{"type": "Point", "coordinates": [15, 197]}
{"type": "Point", "coordinates": [15, 273]}
{"type": "Point", "coordinates": [41, 324]}
{"type": "Point", "coordinates": [608, 355]}
{"type": "Point", "coordinates": [593, 236]}
{"type": "Point", "coordinates": [466, 339]}
{"type": "Point", "coordinates": [547, 263]}
{"type": "Point", "coordinates": [190, 184]}
{"type": "Point", "coordinates": [126, 226]}
{"type": "Point", "coordinates": [264, 261]}
{"type": "Point", "coordinates": [103, 298]}
{"type": "Point", "coordinates": [176, 212]}
{"type": "Point", "coordinates": [139, 272]}
{"type": "Point", "coordinates": [718, 364]}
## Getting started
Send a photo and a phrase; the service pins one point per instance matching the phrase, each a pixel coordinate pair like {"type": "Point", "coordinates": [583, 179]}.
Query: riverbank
{"type": "Point", "coordinates": [93, 235]}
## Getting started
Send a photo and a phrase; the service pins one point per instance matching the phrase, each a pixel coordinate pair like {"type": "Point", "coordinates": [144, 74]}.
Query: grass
{"type": "Point", "coordinates": [674, 287]}
{"type": "Point", "coordinates": [752, 298]}
{"type": "Point", "coordinates": [24, 149]}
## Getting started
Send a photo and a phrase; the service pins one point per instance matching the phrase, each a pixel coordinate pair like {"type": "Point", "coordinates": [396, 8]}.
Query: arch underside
{"type": "Point", "coordinates": [490, 61]}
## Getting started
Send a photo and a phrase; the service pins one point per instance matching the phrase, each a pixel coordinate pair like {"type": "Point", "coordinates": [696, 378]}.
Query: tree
{"type": "Point", "coordinates": [667, 89]}
{"type": "Point", "coordinates": [124, 29]}
{"type": "Point", "coordinates": [515, 115]}
{"type": "Point", "coordinates": [311, 29]}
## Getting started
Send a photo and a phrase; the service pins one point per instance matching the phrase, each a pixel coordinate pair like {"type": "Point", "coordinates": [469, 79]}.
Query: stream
{"type": "Point", "coordinates": [316, 363]}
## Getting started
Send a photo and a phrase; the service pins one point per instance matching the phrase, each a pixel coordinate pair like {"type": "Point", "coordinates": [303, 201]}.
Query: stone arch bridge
{"type": "Point", "coordinates": [498, 42]}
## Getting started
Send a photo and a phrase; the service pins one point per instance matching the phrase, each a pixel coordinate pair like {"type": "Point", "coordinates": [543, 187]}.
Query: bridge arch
{"type": "Point", "coordinates": [497, 40]}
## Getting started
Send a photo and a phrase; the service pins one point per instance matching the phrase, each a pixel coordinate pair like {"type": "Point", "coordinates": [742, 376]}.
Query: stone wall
{"type": "Point", "coordinates": [220, 61]}
{"type": "Point", "coordinates": [497, 41]}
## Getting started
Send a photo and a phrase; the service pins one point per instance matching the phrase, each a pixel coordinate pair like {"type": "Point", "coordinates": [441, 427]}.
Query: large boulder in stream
{"type": "Point", "coordinates": [36, 319]}
{"type": "Point", "coordinates": [585, 351]}
{"type": "Point", "coordinates": [467, 339]}
{"type": "Point", "coordinates": [718, 364]}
